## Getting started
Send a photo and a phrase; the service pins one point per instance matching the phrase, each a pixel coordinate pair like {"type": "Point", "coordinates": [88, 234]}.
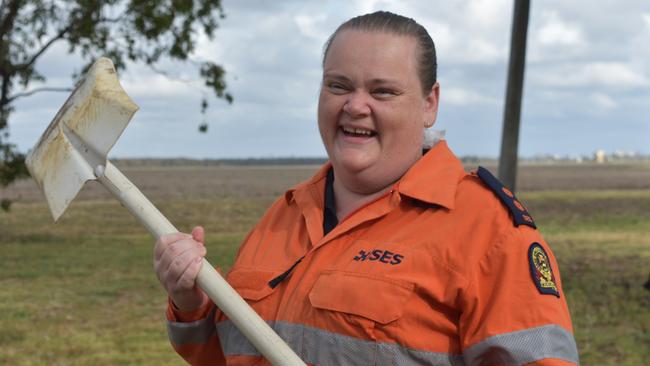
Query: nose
{"type": "Point", "coordinates": [357, 105]}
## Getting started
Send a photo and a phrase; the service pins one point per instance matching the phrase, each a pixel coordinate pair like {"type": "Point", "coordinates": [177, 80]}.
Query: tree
{"type": "Point", "coordinates": [136, 31]}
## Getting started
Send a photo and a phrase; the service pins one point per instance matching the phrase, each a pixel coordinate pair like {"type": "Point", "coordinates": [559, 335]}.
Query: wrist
{"type": "Point", "coordinates": [177, 315]}
{"type": "Point", "coordinates": [189, 304]}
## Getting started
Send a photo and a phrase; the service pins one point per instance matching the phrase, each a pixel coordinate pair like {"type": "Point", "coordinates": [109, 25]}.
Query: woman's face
{"type": "Point", "coordinates": [372, 111]}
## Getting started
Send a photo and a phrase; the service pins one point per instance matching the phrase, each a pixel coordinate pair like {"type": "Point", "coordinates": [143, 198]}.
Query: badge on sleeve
{"type": "Point", "coordinates": [541, 271]}
{"type": "Point", "coordinates": [520, 215]}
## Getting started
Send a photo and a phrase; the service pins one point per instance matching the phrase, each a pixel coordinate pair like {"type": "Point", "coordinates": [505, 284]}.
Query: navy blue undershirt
{"type": "Point", "coordinates": [329, 222]}
{"type": "Point", "coordinates": [329, 212]}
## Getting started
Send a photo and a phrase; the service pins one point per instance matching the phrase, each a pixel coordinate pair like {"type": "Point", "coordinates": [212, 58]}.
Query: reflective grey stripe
{"type": "Point", "coordinates": [196, 332]}
{"type": "Point", "coordinates": [524, 346]}
{"type": "Point", "coordinates": [322, 348]}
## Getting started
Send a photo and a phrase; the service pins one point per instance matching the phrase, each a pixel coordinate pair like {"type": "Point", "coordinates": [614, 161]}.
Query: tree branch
{"type": "Point", "coordinates": [171, 77]}
{"type": "Point", "coordinates": [37, 90]}
{"type": "Point", "coordinates": [47, 45]}
{"type": "Point", "coordinates": [59, 36]}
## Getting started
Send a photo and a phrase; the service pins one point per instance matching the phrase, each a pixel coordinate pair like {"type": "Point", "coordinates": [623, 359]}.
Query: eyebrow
{"type": "Point", "coordinates": [334, 75]}
{"type": "Point", "coordinates": [337, 76]}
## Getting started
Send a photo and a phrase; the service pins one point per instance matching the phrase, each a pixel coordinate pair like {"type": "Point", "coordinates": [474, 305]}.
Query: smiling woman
{"type": "Point", "coordinates": [372, 112]}
{"type": "Point", "coordinates": [386, 256]}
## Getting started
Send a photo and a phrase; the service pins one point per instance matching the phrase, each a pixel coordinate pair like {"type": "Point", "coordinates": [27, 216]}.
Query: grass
{"type": "Point", "coordinates": [602, 242]}
{"type": "Point", "coordinates": [83, 292]}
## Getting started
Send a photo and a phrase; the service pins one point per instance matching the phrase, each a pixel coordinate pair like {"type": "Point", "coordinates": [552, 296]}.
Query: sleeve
{"type": "Point", "coordinates": [194, 336]}
{"type": "Point", "coordinates": [514, 310]}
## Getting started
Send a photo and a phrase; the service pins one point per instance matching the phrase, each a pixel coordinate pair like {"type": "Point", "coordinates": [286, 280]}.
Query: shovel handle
{"type": "Point", "coordinates": [258, 332]}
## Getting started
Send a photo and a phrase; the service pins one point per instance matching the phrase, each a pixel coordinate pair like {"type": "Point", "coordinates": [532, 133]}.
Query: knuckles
{"type": "Point", "coordinates": [174, 256]}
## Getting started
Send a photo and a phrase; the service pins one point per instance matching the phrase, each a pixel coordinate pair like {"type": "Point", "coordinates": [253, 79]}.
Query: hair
{"type": "Point", "coordinates": [387, 22]}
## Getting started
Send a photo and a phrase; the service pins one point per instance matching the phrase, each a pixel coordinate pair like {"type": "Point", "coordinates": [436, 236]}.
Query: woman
{"type": "Point", "coordinates": [386, 256]}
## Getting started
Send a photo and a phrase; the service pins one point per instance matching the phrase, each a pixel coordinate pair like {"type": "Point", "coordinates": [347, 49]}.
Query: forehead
{"type": "Point", "coordinates": [372, 51]}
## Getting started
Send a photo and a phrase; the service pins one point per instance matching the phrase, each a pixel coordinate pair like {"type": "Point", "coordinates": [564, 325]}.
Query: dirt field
{"type": "Point", "coordinates": [194, 182]}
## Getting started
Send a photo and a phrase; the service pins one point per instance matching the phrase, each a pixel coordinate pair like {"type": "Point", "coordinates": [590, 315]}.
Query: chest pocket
{"type": "Point", "coordinates": [252, 283]}
{"type": "Point", "coordinates": [376, 298]}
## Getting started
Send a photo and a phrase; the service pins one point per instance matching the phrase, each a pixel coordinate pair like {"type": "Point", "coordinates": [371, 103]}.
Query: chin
{"type": "Point", "coordinates": [355, 163]}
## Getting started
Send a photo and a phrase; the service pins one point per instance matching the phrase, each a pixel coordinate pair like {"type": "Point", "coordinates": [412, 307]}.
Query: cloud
{"type": "Point", "coordinates": [462, 97]}
{"type": "Point", "coordinates": [312, 26]}
{"type": "Point", "coordinates": [604, 101]}
{"type": "Point", "coordinates": [368, 6]}
{"type": "Point", "coordinates": [556, 31]}
{"type": "Point", "coordinates": [488, 13]}
{"type": "Point", "coordinates": [585, 63]}
{"type": "Point", "coordinates": [157, 85]}
{"type": "Point", "coordinates": [592, 74]}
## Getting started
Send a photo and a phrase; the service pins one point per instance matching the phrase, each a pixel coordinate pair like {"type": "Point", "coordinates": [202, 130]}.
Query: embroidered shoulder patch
{"type": "Point", "coordinates": [519, 213]}
{"type": "Point", "coordinates": [541, 271]}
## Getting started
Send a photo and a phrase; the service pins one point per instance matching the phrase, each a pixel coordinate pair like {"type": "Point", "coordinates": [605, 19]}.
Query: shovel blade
{"type": "Point", "coordinates": [97, 111]}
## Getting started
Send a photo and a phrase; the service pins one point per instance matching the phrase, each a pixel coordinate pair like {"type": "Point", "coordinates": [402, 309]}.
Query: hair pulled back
{"type": "Point", "coordinates": [387, 22]}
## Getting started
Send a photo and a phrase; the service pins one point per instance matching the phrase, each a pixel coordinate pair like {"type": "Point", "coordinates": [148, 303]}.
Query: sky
{"type": "Point", "coordinates": [587, 80]}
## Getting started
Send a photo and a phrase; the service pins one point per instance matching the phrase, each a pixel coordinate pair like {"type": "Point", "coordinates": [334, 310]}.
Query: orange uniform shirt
{"type": "Point", "coordinates": [434, 272]}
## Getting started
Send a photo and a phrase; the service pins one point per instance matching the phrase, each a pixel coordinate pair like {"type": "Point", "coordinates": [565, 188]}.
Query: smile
{"type": "Point", "coordinates": [357, 132]}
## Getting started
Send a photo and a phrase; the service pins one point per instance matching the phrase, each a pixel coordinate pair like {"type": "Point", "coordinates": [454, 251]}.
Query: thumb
{"type": "Point", "coordinates": [198, 234]}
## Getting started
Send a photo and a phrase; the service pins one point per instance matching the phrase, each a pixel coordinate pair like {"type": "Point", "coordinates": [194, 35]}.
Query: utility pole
{"type": "Point", "coordinates": [512, 112]}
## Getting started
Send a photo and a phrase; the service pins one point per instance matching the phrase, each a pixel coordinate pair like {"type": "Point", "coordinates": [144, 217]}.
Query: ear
{"type": "Point", "coordinates": [430, 112]}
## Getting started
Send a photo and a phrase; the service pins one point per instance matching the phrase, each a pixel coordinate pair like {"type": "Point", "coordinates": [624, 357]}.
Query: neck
{"type": "Point", "coordinates": [347, 200]}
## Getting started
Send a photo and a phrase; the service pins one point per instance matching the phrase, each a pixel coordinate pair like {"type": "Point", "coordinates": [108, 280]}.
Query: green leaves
{"type": "Point", "coordinates": [140, 31]}
{"type": "Point", "coordinates": [214, 79]}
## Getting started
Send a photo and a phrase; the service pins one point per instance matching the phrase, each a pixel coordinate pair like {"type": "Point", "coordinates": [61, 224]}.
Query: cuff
{"type": "Point", "coordinates": [176, 315]}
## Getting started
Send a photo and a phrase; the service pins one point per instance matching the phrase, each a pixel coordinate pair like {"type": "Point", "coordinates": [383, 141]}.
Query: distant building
{"type": "Point", "coordinates": [600, 156]}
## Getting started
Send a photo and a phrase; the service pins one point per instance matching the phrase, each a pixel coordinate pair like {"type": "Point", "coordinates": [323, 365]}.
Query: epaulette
{"type": "Point", "coordinates": [519, 213]}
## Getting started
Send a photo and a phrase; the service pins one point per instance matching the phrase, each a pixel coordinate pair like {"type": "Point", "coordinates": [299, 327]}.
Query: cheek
{"type": "Point", "coordinates": [321, 111]}
{"type": "Point", "coordinates": [328, 110]}
{"type": "Point", "coordinates": [325, 124]}
{"type": "Point", "coordinates": [405, 137]}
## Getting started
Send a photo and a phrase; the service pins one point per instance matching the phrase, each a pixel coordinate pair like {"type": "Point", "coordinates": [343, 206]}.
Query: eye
{"type": "Point", "coordinates": [384, 93]}
{"type": "Point", "coordinates": [336, 87]}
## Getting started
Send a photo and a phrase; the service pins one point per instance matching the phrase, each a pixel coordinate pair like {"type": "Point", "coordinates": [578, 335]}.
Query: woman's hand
{"type": "Point", "coordinates": [177, 260]}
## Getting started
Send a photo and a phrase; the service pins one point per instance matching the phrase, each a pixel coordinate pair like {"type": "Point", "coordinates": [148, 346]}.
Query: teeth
{"type": "Point", "coordinates": [357, 131]}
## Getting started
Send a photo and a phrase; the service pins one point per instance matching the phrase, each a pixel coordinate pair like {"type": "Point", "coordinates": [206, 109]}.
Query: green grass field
{"type": "Point", "coordinates": [82, 292]}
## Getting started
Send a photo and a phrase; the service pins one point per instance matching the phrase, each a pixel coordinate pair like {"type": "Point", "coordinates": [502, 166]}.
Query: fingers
{"type": "Point", "coordinates": [198, 233]}
{"type": "Point", "coordinates": [185, 295]}
{"type": "Point", "coordinates": [178, 254]}
{"type": "Point", "coordinates": [165, 240]}
{"type": "Point", "coordinates": [187, 279]}
{"type": "Point", "coordinates": [177, 261]}
{"type": "Point", "coordinates": [176, 264]}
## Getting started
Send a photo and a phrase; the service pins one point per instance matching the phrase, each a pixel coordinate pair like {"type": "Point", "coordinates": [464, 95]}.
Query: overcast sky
{"type": "Point", "coordinates": [587, 81]}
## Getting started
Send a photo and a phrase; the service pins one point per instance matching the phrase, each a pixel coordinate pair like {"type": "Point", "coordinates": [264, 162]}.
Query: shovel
{"type": "Point", "coordinates": [73, 151]}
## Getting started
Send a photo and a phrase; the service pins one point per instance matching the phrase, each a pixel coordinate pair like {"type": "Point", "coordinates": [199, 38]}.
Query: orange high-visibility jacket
{"type": "Point", "coordinates": [435, 272]}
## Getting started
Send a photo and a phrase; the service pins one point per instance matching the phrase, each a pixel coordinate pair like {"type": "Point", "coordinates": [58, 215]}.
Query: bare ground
{"type": "Point", "coordinates": [196, 182]}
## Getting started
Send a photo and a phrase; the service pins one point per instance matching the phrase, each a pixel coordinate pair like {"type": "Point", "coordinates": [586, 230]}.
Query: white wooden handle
{"type": "Point", "coordinates": [258, 332]}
